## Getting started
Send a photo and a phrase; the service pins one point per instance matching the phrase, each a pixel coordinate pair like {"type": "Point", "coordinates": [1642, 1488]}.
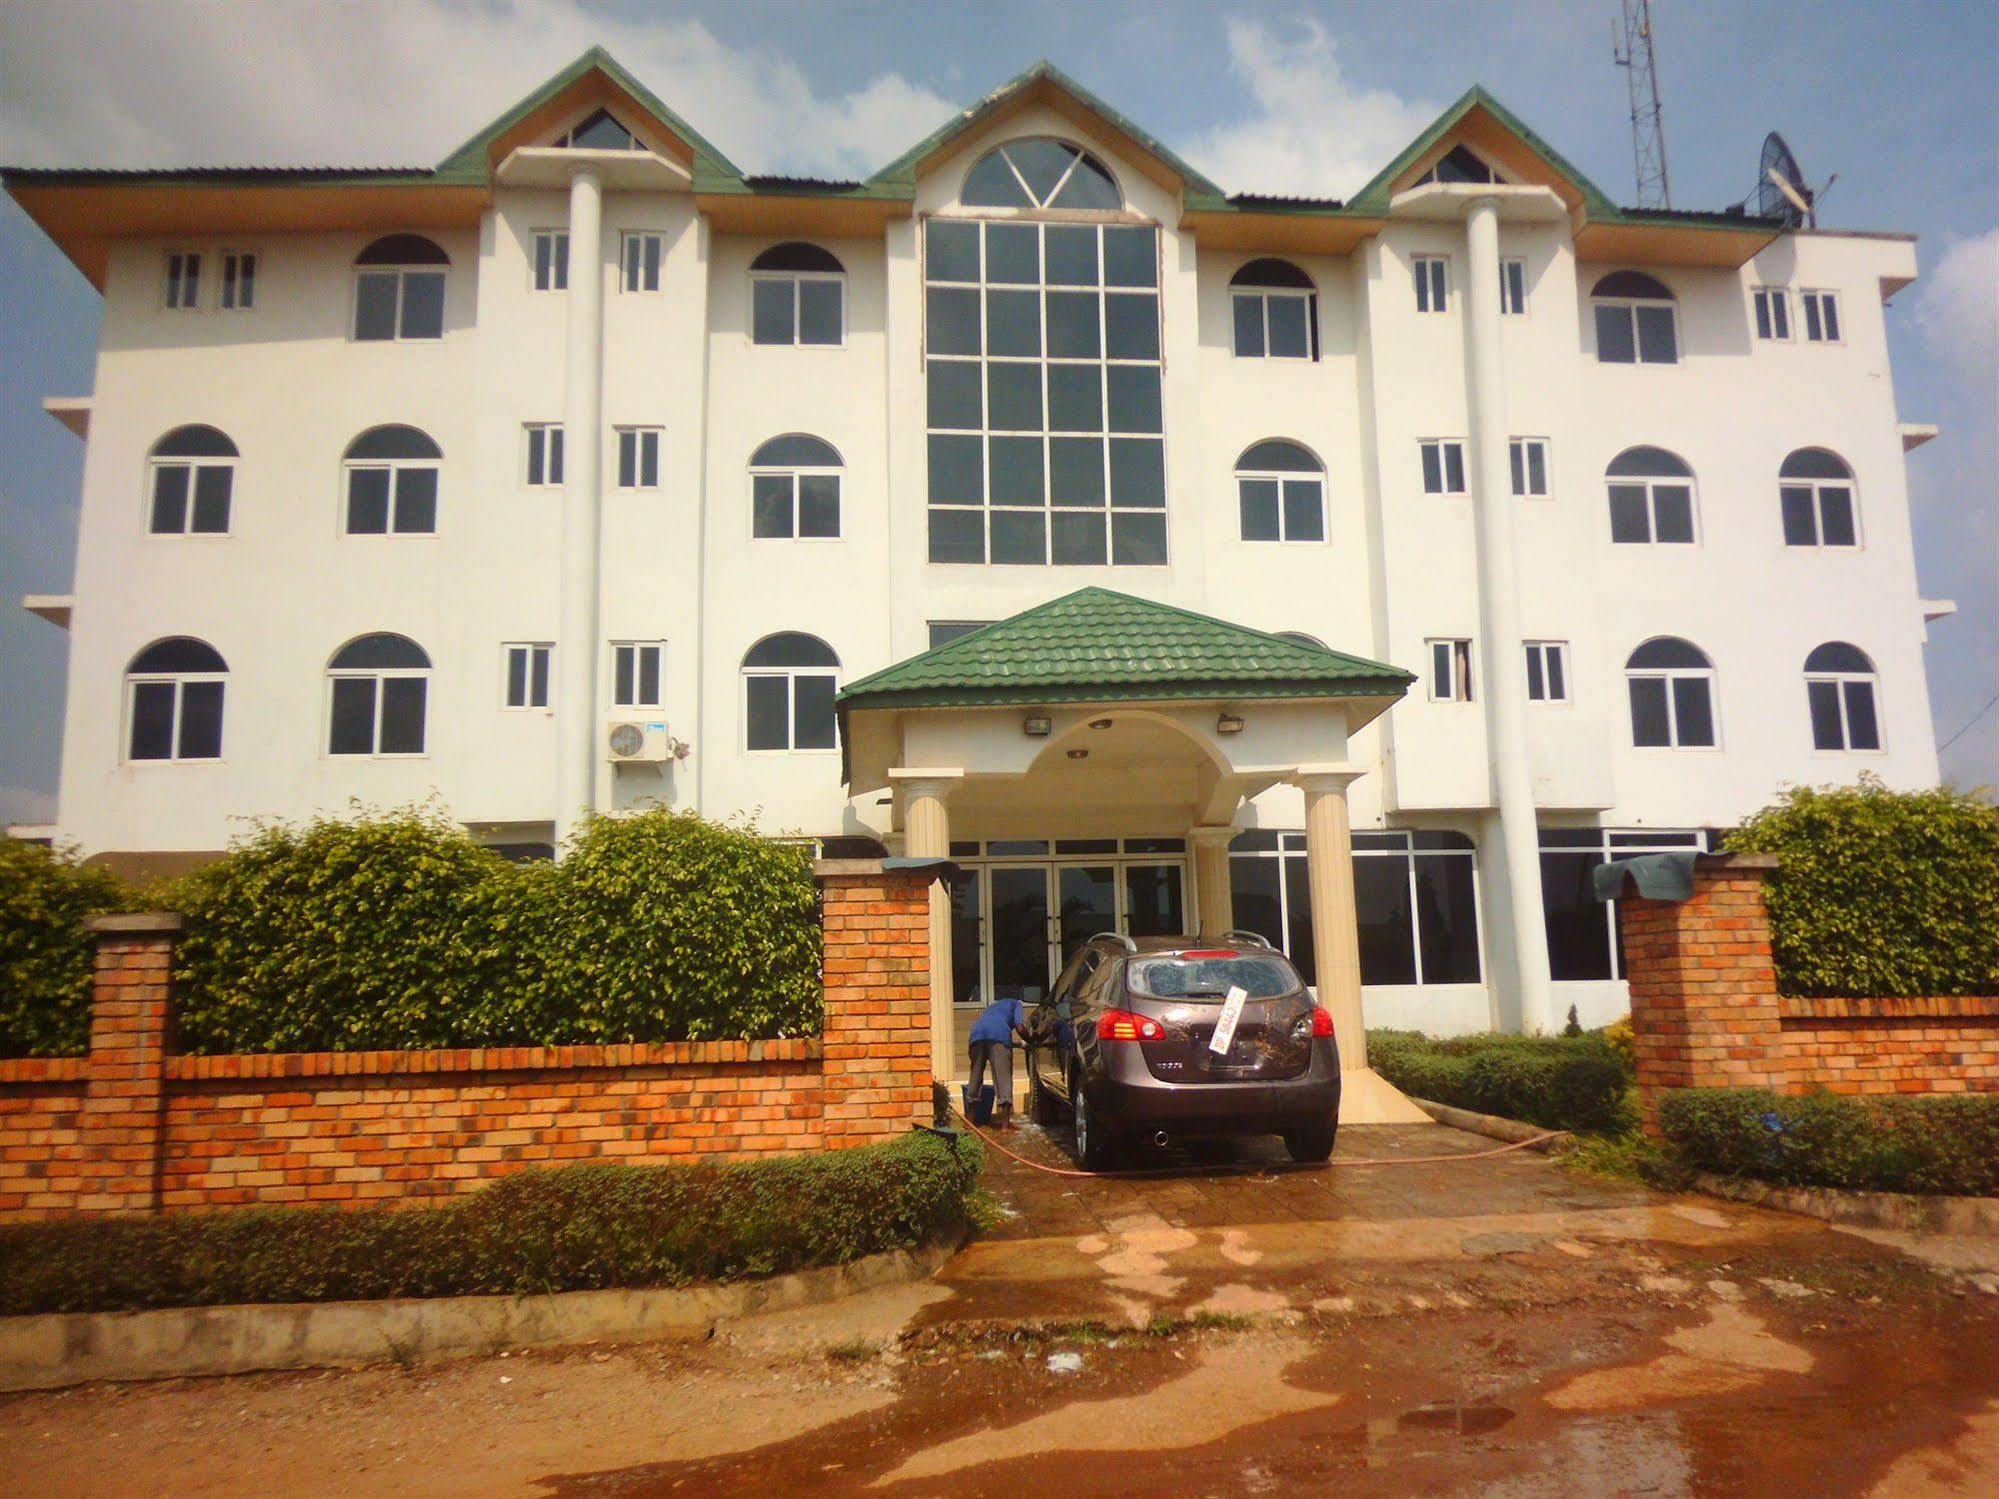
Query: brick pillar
{"type": "Point", "coordinates": [877, 976]}
{"type": "Point", "coordinates": [1704, 1011]}
{"type": "Point", "coordinates": [123, 1119]}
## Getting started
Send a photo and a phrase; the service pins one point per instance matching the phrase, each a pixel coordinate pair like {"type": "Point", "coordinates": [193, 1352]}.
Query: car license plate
{"type": "Point", "coordinates": [1224, 1036]}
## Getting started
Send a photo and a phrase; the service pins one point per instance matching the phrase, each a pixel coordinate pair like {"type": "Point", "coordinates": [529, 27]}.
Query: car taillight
{"type": "Point", "coordinates": [1122, 1025]}
{"type": "Point", "coordinates": [1322, 1021]}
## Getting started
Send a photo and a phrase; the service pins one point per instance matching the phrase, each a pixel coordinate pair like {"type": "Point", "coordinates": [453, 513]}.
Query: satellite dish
{"type": "Point", "coordinates": [1780, 185]}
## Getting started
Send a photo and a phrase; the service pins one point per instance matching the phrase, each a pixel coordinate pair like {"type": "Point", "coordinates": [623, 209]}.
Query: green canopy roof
{"type": "Point", "coordinates": [1095, 645]}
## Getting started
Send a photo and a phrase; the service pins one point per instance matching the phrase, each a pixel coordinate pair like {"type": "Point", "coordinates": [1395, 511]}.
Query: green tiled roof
{"type": "Point", "coordinates": [1095, 645]}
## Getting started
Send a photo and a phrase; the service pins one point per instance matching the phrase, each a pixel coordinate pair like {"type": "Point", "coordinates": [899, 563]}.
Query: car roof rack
{"type": "Point", "coordinates": [1243, 934]}
{"type": "Point", "coordinates": [1129, 945]}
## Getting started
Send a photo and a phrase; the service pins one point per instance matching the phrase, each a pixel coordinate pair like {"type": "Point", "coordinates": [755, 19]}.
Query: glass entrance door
{"type": "Point", "coordinates": [1019, 947]}
{"type": "Point", "coordinates": [1087, 896]}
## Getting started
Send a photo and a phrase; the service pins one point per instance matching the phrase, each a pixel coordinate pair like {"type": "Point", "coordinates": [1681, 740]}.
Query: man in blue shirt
{"type": "Point", "coordinates": [992, 1045]}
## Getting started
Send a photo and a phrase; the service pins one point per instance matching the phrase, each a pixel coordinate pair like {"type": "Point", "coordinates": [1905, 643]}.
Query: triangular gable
{"type": "Point", "coordinates": [1494, 132]}
{"type": "Point", "coordinates": [595, 80]}
{"type": "Point", "coordinates": [1048, 85]}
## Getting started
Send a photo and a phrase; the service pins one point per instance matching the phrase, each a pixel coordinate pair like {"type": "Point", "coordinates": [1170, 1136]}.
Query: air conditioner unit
{"type": "Point", "coordinates": [630, 741]}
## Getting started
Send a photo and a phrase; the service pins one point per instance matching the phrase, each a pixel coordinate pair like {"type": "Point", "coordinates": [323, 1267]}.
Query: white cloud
{"type": "Point", "coordinates": [397, 82]}
{"type": "Point", "coordinates": [26, 804]}
{"type": "Point", "coordinates": [1312, 133]}
{"type": "Point", "coordinates": [1958, 309]}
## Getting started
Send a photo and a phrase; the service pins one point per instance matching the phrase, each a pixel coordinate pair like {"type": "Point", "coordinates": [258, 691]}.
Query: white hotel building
{"type": "Point", "coordinates": [1587, 527]}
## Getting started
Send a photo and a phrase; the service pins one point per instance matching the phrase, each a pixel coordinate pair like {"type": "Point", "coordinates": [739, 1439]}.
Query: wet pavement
{"type": "Point", "coordinates": [1496, 1326]}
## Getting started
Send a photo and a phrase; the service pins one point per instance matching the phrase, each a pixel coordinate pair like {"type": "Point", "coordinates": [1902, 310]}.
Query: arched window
{"type": "Point", "coordinates": [173, 701]}
{"type": "Point", "coordinates": [798, 295]}
{"type": "Point", "coordinates": [1672, 695]}
{"type": "Point", "coordinates": [193, 473]}
{"type": "Point", "coordinates": [1040, 172]}
{"type": "Point", "coordinates": [1459, 164]}
{"type": "Point", "coordinates": [399, 289]}
{"type": "Point", "coordinates": [391, 482]}
{"type": "Point", "coordinates": [1651, 497]}
{"type": "Point", "coordinates": [1636, 320]}
{"type": "Point", "coordinates": [602, 131]}
{"type": "Point", "coordinates": [795, 489]}
{"type": "Point", "coordinates": [1839, 686]}
{"type": "Point", "coordinates": [1276, 309]}
{"type": "Point", "coordinates": [377, 690]}
{"type": "Point", "coordinates": [789, 682]}
{"type": "Point", "coordinates": [1816, 488]}
{"type": "Point", "coordinates": [1282, 489]}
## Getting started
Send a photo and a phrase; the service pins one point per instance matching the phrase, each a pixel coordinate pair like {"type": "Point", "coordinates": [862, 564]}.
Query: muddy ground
{"type": "Point", "coordinates": [1493, 1327]}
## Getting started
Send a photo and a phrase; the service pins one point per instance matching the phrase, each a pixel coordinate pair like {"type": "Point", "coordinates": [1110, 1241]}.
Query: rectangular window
{"type": "Point", "coordinates": [544, 467]}
{"type": "Point", "coordinates": [944, 631]}
{"type": "Point", "coordinates": [638, 457]}
{"type": "Point", "coordinates": [1583, 943]}
{"type": "Point", "coordinates": [1276, 324]}
{"type": "Point", "coordinates": [1450, 671]}
{"type": "Point", "coordinates": [551, 260]}
{"type": "Point", "coordinates": [1773, 314]}
{"type": "Point", "coordinates": [1043, 370]}
{"type": "Point", "coordinates": [1636, 333]}
{"type": "Point", "coordinates": [527, 675]}
{"type": "Point", "coordinates": [1443, 465]}
{"type": "Point", "coordinates": [183, 280]}
{"type": "Point", "coordinates": [1529, 457]}
{"type": "Point", "coordinates": [1432, 283]}
{"type": "Point", "coordinates": [239, 280]}
{"type": "Point", "coordinates": [1547, 671]}
{"type": "Point", "coordinates": [1821, 316]}
{"type": "Point", "coordinates": [1513, 288]}
{"type": "Point", "coordinates": [637, 671]}
{"type": "Point", "coordinates": [398, 304]}
{"type": "Point", "coordinates": [642, 257]}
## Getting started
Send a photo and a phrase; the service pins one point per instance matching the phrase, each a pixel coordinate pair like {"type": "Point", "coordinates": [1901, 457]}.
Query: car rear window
{"type": "Point", "coordinates": [1260, 975]}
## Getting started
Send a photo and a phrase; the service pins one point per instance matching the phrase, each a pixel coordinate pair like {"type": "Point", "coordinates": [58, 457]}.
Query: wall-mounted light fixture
{"type": "Point", "coordinates": [1036, 726]}
{"type": "Point", "coordinates": [1229, 723]}
{"type": "Point", "coordinates": [1100, 723]}
{"type": "Point", "coordinates": [1079, 754]}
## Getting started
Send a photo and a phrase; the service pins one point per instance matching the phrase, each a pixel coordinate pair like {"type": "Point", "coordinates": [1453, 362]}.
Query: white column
{"type": "Point", "coordinates": [926, 832]}
{"type": "Point", "coordinates": [577, 720]}
{"type": "Point", "coordinates": [1211, 881]}
{"type": "Point", "coordinates": [1335, 921]}
{"type": "Point", "coordinates": [1501, 655]}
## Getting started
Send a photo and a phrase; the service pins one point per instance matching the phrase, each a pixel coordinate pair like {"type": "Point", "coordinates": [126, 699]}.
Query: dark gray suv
{"type": "Point", "coordinates": [1126, 1044]}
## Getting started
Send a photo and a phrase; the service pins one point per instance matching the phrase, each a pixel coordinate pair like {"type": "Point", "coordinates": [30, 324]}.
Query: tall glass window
{"type": "Point", "coordinates": [1043, 368]}
{"type": "Point", "coordinates": [1582, 930]}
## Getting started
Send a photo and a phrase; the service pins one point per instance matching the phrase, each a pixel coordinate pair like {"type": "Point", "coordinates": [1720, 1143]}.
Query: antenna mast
{"type": "Point", "coordinates": [1631, 49]}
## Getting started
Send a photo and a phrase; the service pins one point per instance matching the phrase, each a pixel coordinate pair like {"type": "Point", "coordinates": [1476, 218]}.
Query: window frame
{"type": "Point", "coordinates": [639, 649]}
{"type": "Point", "coordinates": [552, 274]}
{"type": "Point", "coordinates": [173, 268]}
{"type": "Point", "coordinates": [231, 282]}
{"type": "Point", "coordinates": [794, 473]}
{"type": "Point", "coordinates": [1817, 488]}
{"type": "Point", "coordinates": [1630, 306]}
{"type": "Point", "coordinates": [1453, 654]}
{"type": "Point", "coordinates": [179, 681]}
{"type": "Point", "coordinates": [533, 653]}
{"type": "Point", "coordinates": [1650, 483]}
{"type": "Point", "coordinates": [639, 432]}
{"type": "Point", "coordinates": [1770, 306]}
{"type": "Point", "coordinates": [1611, 845]}
{"type": "Point", "coordinates": [545, 443]}
{"type": "Point", "coordinates": [1520, 476]}
{"type": "Point", "coordinates": [1445, 447]}
{"type": "Point", "coordinates": [791, 676]}
{"type": "Point", "coordinates": [1671, 676]}
{"type": "Point", "coordinates": [1282, 477]}
{"type": "Point", "coordinates": [839, 278]}
{"type": "Point", "coordinates": [357, 273]}
{"type": "Point", "coordinates": [155, 461]}
{"type": "Point", "coordinates": [1432, 274]}
{"type": "Point", "coordinates": [1542, 653]}
{"type": "Point", "coordinates": [1818, 298]}
{"type": "Point", "coordinates": [378, 675]}
{"type": "Point", "coordinates": [1263, 295]}
{"type": "Point", "coordinates": [1512, 286]}
{"type": "Point", "coordinates": [959, 629]}
{"type": "Point", "coordinates": [1841, 683]}
{"type": "Point", "coordinates": [393, 467]}
{"type": "Point", "coordinates": [638, 238]}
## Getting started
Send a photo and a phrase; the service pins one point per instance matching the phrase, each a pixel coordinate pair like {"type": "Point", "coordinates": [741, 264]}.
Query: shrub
{"type": "Point", "coordinates": [1947, 1144]}
{"type": "Point", "coordinates": [1881, 892]}
{"type": "Point", "coordinates": [577, 1228]}
{"type": "Point", "coordinates": [1557, 1082]}
{"type": "Point", "coordinates": [45, 952]}
{"type": "Point", "coordinates": [1622, 1045]}
{"type": "Point", "coordinates": [397, 930]}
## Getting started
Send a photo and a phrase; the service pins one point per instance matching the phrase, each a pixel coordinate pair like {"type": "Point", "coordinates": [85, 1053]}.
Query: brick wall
{"type": "Point", "coordinates": [1705, 1011]}
{"type": "Point", "coordinates": [134, 1128]}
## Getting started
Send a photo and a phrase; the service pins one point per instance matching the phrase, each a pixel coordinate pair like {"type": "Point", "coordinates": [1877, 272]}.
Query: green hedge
{"type": "Point", "coordinates": [1946, 1145]}
{"type": "Point", "coordinates": [574, 1229]}
{"type": "Point", "coordinates": [45, 953]}
{"type": "Point", "coordinates": [1558, 1082]}
{"type": "Point", "coordinates": [1881, 892]}
{"type": "Point", "coordinates": [398, 930]}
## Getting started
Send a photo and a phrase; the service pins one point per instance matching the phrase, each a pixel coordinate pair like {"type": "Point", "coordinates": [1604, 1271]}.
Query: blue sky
{"type": "Point", "coordinates": [1901, 100]}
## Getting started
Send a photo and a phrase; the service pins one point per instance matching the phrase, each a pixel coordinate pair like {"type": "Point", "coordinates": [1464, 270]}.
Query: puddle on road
{"type": "Point", "coordinates": [1454, 1418]}
{"type": "Point", "coordinates": [1732, 1350]}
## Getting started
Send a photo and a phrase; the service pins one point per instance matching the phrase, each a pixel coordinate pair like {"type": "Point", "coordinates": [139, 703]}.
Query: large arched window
{"type": "Point", "coordinates": [1839, 687]}
{"type": "Point", "coordinates": [1276, 311]}
{"type": "Point", "coordinates": [1651, 497]}
{"type": "Point", "coordinates": [1040, 172]}
{"type": "Point", "coordinates": [789, 681]}
{"type": "Point", "coordinates": [377, 689]}
{"type": "Point", "coordinates": [798, 295]}
{"type": "Point", "coordinates": [1282, 489]}
{"type": "Point", "coordinates": [399, 289]}
{"type": "Point", "coordinates": [173, 701]}
{"type": "Point", "coordinates": [1816, 488]}
{"type": "Point", "coordinates": [1636, 320]}
{"type": "Point", "coordinates": [1672, 695]}
{"type": "Point", "coordinates": [795, 489]}
{"type": "Point", "coordinates": [390, 482]}
{"type": "Point", "coordinates": [193, 471]}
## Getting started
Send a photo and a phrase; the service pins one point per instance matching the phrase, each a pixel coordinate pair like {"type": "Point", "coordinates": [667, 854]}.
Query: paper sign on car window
{"type": "Point", "coordinates": [1224, 1036]}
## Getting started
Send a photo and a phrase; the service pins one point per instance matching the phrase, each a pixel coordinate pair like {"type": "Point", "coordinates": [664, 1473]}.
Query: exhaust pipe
{"type": "Point", "coordinates": [1159, 1138]}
